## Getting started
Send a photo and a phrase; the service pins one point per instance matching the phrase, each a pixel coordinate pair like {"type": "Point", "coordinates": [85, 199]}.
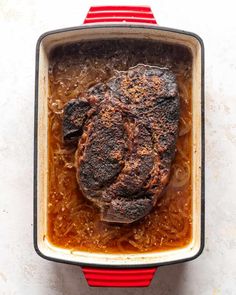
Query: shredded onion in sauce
{"type": "Point", "coordinates": [181, 175]}
{"type": "Point", "coordinates": [185, 127]}
{"type": "Point", "coordinates": [73, 222]}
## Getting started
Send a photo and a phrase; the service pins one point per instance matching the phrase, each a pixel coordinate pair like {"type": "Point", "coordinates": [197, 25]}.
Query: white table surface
{"type": "Point", "coordinates": [21, 270]}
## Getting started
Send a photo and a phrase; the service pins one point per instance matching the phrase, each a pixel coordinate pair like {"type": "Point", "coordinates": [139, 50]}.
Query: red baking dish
{"type": "Point", "coordinates": [124, 270]}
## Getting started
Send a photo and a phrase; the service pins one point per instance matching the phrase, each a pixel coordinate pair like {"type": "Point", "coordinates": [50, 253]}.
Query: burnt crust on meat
{"type": "Point", "coordinates": [74, 118]}
{"type": "Point", "coordinates": [102, 146]}
{"type": "Point", "coordinates": [126, 130]}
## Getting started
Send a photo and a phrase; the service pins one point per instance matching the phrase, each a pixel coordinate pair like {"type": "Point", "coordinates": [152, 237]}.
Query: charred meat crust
{"type": "Point", "coordinates": [127, 130]}
{"type": "Point", "coordinates": [75, 115]}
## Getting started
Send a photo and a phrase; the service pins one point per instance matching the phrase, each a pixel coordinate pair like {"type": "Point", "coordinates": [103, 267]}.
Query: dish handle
{"type": "Point", "coordinates": [117, 14]}
{"type": "Point", "coordinates": [99, 277]}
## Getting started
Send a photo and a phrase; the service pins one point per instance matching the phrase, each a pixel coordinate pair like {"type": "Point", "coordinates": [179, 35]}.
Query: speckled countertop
{"type": "Point", "coordinates": [21, 270]}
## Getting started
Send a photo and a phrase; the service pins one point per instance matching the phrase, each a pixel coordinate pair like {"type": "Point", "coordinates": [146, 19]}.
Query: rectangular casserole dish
{"type": "Point", "coordinates": [139, 24]}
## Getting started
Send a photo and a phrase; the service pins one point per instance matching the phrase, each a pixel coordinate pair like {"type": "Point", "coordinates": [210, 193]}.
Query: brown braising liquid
{"type": "Point", "coordinates": [74, 222]}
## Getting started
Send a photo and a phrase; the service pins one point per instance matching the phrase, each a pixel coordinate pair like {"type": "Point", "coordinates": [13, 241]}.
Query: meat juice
{"type": "Point", "coordinates": [74, 222]}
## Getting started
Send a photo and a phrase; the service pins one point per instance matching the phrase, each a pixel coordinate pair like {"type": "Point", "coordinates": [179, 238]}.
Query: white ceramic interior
{"type": "Point", "coordinates": [46, 44]}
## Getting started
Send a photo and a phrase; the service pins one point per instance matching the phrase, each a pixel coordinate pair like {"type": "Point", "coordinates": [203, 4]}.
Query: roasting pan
{"type": "Point", "coordinates": [136, 22]}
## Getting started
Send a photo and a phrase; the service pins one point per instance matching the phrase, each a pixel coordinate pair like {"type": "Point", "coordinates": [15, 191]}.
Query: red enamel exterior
{"type": "Point", "coordinates": [132, 14]}
{"type": "Point", "coordinates": [120, 8]}
{"type": "Point", "coordinates": [97, 277]}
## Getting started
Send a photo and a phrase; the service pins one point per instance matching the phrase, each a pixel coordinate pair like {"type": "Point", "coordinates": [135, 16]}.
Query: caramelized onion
{"type": "Point", "coordinates": [184, 93]}
{"type": "Point", "coordinates": [181, 175]}
{"type": "Point", "coordinates": [135, 245]}
{"type": "Point", "coordinates": [56, 106]}
{"type": "Point", "coordinates": [68, 229]}
{"type": "Point", "coordinates": [181, 151]}
{"type": "Point", "coordinates": [122, 240]}
{"type": "Point", "coordinates": [185, 127]}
